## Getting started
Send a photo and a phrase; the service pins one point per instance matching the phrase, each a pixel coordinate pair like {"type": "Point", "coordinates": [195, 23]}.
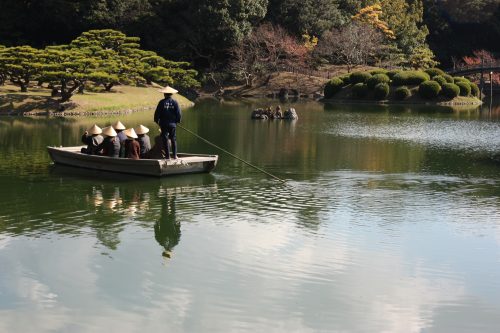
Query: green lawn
{"type": "Point", "coordinates": [121, 98]}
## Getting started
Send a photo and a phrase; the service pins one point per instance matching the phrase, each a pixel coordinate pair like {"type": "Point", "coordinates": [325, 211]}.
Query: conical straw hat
{"type": "Point", "coordinates": [119, 126]}
{"type": "Point", "coordinates": [109, 131]}
{"type": "Point", "coordinates": [94, 130]}
{"type": "Point", "coordinates": [168, 90]}
{"type": "Point", "coordinates": [141, 129]}
{"type": "Point", "coordinates": [129, 132]}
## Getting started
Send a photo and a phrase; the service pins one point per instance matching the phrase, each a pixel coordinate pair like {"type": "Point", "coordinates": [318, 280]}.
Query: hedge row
{"type": "Point", "coordinates": [432, 82]}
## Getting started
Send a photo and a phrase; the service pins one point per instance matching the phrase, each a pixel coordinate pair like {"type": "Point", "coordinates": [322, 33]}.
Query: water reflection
{"type": "Point", "coordinates": [168, 229]}
{"type": "Point", "coordinates": [376, 229]}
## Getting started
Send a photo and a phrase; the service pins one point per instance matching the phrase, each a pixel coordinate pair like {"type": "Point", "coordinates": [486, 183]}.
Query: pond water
{"type": "Point", "coordinates": [389, 221]}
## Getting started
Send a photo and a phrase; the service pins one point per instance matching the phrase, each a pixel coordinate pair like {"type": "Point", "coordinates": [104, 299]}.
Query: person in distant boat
{"type": "Point", "coordinates": [143, 139]}
{"type": "Point", "coordinates": [93, 139]}
{"type": "Point", "coordinates": [111, 144]}
{"type": "Point", "coordinates": [132, 147]}
{"type": "Point", "coordinates": [168, 115]}
{"type": "Point", "coordinates": [157, 151]}
{"type": "Point", "coordinates": [119, 128]}
{"type": "Point", "coordinates": [278, 114]}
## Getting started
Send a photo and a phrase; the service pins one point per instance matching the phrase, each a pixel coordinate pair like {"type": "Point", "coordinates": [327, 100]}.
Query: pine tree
{"type": "Point", "coordinates": [21, 64]}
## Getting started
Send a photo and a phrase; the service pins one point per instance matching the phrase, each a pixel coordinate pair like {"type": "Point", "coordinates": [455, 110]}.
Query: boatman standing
{"type": "Point", "coordinates": [167, 115]}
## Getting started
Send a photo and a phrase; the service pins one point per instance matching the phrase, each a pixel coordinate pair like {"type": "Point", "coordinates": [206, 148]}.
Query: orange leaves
{"type": "Point", "coordinates": [371, 15]}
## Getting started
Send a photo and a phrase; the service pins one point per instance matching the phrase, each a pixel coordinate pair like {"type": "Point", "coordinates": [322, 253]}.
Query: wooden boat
{"type": "Point", "coordinates": [184, 164]}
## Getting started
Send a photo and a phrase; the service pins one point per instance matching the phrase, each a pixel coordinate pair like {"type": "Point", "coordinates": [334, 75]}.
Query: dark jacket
{"type": "Point", "coordinates": [168, 112]}
{"type": "Point", "coordinates": [132, 149]}
{"type": "Point", "coordinates": [157, 151]}
{"type": "Point", "coordinates": [144, 143]}
{"type": "Point", "coordinates": [93, 143]}
{"type": "Point", "coordinates": [111, 146]}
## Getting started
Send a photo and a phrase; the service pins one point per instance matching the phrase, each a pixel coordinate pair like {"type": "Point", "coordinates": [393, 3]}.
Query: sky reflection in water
{"type": "Point", "coordinates": [372, 232]}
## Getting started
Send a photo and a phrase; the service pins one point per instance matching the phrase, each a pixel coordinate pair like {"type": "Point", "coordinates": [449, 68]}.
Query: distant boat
{"type": "Point", "coordinates": [184, 164]}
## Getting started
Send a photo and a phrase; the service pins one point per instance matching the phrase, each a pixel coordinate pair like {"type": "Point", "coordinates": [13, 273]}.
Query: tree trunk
{"type": "Point", "coordinates": [108, 87]}
{"type": "Point", "coordinates": [24, 88]}
{"type": "Point", "coordinates": [81, 89]}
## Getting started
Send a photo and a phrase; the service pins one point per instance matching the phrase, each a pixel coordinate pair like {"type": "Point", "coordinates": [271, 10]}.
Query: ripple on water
{"type": "Point", "coordinates": [439, 133]}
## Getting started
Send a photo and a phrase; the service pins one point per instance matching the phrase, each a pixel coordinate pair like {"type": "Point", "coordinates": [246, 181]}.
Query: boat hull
{"type": "Point", "coordinates": [185, 164]}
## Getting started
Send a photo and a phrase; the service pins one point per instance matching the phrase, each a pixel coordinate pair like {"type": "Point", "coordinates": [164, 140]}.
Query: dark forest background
{"type": "Point", "coordinates": [201, 31]}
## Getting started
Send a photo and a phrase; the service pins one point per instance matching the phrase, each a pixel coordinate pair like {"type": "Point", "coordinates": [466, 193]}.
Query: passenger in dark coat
{"type": "Point", "coordinates": [157, 152]}
{"type": "Point", "coordinates": [132, 147]}
{"type": "Point", "coordinates": [143, 139]}
{"type": "Point", "coordinates": [119, 128]}
{"type": "Point", "coordinates": [111, 144]}
{"type": "Point", "coordinates": [93, 139]}
{"type": "Point", "coordinates": [168, 115]}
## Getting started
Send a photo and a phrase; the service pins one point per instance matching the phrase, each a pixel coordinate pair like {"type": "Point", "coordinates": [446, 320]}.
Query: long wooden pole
{"type": "Point", "coordinates": [231, 154]}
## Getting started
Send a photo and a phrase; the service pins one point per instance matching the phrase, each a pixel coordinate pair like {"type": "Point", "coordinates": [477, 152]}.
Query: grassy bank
{"type": "Point", "coordinates": [121, 99]}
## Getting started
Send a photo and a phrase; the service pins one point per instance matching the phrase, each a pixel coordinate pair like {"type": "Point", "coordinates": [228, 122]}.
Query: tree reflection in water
{"type": "Point", "coordinates": [167, 228]}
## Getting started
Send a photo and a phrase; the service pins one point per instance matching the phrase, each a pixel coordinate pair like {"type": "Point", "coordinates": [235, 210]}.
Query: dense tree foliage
{"type": "Point", "coordinates": [204, 31]}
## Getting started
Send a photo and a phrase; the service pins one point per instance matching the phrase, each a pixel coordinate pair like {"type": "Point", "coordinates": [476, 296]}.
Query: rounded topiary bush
{"type": "Point", "coordinates": [392, 72]}
{"type": "Point", "coordinates": [402, 93]}
{"type": "Point", "coordinates": [457, 79]}
{"type": "Point", "coordinates": [359, 77]}
{"type": "Point", "coordinates": [439, 79]}
{"type": "Point", "coordinates": [376, 79]}
{"type": "Point", "coordinates": [359, 90]}
{"type": "Point", "coordinates": [381, 91]}
{"type": "Point", "coordinates": [429, 89]}
{"type": "Point", "coordinates": [434, 72]}
{"type": "Point", "coordinates": [474, 89]}
{"type": "Point", "coordinates": [465, 88]}
{"type": "Point", "coordinates": [333, 86]}
{"type": "Point", "coordinates": [378, 71]}
{"type": "Point", "coordinates": [450, 90]}
{"type": "Point", "coordinates": [448, 78]}
{"type": "Point", "coordinates": [410, 78]}
{"type": "Point", "coordinates": [345, 79]}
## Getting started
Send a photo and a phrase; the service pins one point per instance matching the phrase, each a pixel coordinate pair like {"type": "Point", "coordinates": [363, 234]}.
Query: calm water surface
{"type": "Point", "coordinates": [389, 222]}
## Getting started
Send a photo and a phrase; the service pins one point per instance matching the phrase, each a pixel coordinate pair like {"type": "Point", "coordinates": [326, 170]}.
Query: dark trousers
{"type": "Point", "coordinates": [168, 132]}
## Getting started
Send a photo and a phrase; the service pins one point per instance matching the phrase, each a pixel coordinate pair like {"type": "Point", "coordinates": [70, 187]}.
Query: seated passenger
{"type": "Point", "coordinates": [132, 147]}
{"type": "Point", "coordinates": [119, 128]}
{"type": "Point", "coordinates": [143, 139]}
{"type": "Point", "coordinates": [111, 144]}
{"type": "Point", "coordinates": [93, 139]}
{"type": "Point", "coordinates": [278, 114]}
{"type": "Point", "coordinates": [158, 151]}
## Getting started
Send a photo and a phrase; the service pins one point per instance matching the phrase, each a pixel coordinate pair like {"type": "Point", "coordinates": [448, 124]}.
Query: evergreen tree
{"type": "Point", "coordinates": [21, 65]}
{"type": "Point", "coordinates": [307, 16]}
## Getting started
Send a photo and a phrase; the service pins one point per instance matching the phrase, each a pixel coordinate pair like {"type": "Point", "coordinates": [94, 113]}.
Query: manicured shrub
{"type": "Point", "coordinates": [381, 90]}
{"type": "Point", "coordinates": [457, 79]}
{"type": "Point", "coordinates": [429, 89]}
{"type": "Point", "coordinates": [359, 90]}
{"type": "Point", "coordinates": [465, 88]}
{"type": "Point", "coordinates": [410, 78]}
{"type": "Point", "coordinates": [359, 77]}
{"type": "Point", "coordinates": [333, 86]}
{"type": "Point", "coordinates": [402, 93]}
{"type": "Point", "coordinates": [376, 79]}
{"type": "Point", "coordinates": [448, 78]}
{"type": "Point", "coordinates": [450, 90]}
{"type": "Point", "coordinates": [434, 72]}
{"type": "Point", "coordinates": [392, 72]}
{"type": "Point", "coordinates": [440, 79]}
{"type": "Point", "coordinates": [345, 79]}
{"type": "Point", "coordinates": [378, 71]}
{"type": "Point", "coordinates": [474, 89]}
